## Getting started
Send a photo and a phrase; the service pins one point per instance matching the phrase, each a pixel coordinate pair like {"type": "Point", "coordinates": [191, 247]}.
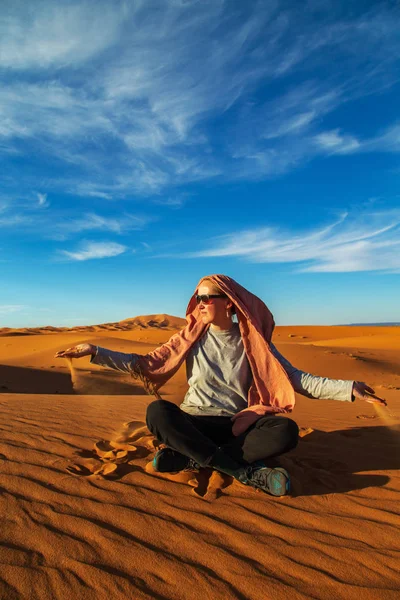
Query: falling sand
{"type": "Point", "coordinates": [81, 381]}
{"type": "Point", "coordinates": [74, 377]}
{"type": "Point", "coordinates": [384, 413]}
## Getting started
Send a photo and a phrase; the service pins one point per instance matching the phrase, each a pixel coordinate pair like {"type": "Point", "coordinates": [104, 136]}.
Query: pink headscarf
{"type": "Point", "coordinates": [270, 392]}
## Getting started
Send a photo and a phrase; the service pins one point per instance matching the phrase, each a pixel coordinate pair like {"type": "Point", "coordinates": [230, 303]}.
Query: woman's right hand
{"type": "Point", "coordinates": [77, 351]}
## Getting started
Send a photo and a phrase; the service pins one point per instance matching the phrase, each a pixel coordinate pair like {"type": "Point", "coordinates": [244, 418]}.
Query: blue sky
{"type": "Point", "coordinates": [145, 144]}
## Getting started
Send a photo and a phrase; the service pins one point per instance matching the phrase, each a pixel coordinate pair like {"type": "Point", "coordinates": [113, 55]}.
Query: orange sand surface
{"type": "Point", "coordinates": [83, 515]}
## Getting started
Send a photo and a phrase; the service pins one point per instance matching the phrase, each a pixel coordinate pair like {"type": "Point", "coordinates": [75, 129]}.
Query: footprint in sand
{"type": "Point", "coordinates": [113, 451]}
{"type": "Point", "coordinates": [106, 465]}
{"type": "Point", "coordinates": [110, 458]}
{"type": "Point", "coordinates": [114, 458]}
{"type": "Point", "coordinates": [179, 477]}
{"type": "Point", "coordinates": [366, 416]}
{"type": "Point", "coordinates": [79, 470]}
{"type": "Point", "coordinates": [205, 483]}
{"type": "Point", "coordinates": [135, 433]}
{"type": "Point", "coordinates": [85, 467]}
{"type": "Point", "coordinates": [210, 488]}
{"type": "Point", "coordinates": [88, 470]}
{"type": "Point", "coordinates": [131, 432]}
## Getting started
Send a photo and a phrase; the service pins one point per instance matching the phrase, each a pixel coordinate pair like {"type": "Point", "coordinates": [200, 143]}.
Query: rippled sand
{"type": "Point", "coordinates": [85, 516]}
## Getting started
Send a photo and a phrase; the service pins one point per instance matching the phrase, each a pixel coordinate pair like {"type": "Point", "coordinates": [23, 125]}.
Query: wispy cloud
{"type": "Point", "coordinates": [51, 35]}
{"type": "Point", "coordinates": [388, 141]}
{"type": "Point", "coordinates": [94, 222]}
{"type": "Point", "coordinates": [6, 309]}
{"type": "Point", "coordinates": [367, 242]}
{"type": "Point", "coordinates": [42, 200]}
{"type": "Point", "coordinates": [10, 220]}
{"type": "Point", "coordinates": [335, 142]}
{"type": "Point", "coordinates": [61, 224]}
{"type": "Point", "coordinates": [91, 250]}
{"type": "Point", "coordinates": [176, 201]}
{"type": "Point", "coordinates": [85, 87]}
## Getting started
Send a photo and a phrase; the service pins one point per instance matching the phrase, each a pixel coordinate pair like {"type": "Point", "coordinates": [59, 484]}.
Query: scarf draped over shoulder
{"type": "Point", "coordinates": [270, 392]}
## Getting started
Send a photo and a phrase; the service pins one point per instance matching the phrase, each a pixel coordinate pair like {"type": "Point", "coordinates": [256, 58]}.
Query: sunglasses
{"type": "Point", "coordinates": [205, 298]}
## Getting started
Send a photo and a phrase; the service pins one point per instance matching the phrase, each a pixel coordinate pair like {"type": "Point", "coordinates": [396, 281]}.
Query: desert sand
{"type": "Point", "coordinates": [85, 517]}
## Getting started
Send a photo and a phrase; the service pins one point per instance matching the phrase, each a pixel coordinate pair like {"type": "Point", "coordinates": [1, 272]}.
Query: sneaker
{"type": "Point", "coordinates": [168, 460]}
{"type": "Point", "coordinates": [273, 481]}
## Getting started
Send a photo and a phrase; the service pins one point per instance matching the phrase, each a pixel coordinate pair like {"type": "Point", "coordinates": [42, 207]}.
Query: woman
{"type": "Point", "coordinates": [238, 383]}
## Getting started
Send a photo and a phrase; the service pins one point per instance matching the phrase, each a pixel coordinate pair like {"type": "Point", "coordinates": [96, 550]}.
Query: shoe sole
{"type": "Point", "coordinates": [277, 484]}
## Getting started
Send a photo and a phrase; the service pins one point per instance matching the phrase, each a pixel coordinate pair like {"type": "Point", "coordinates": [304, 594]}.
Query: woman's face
{"type": "Point", "coordinates": [215, 311]}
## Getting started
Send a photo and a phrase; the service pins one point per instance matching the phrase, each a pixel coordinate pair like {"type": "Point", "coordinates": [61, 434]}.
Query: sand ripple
{"type": "Point", "coordinates": [130, 533]}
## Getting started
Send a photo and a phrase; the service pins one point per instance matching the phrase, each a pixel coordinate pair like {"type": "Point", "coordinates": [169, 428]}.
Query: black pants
{"type": "Point", "coordinates": [199, 437]}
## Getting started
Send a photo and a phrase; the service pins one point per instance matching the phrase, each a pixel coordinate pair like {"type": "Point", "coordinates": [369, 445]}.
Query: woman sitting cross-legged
{"type": "Point", "coordinates": [240, 386]}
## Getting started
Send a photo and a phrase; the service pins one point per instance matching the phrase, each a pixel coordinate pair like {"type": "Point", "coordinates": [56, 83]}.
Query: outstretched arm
{"type": "Point", "coordinates": [101, 356]}
{"type": "Point", "coordinates": [324, 388]}
{"type": "Point", "coordinates": [120, 361]}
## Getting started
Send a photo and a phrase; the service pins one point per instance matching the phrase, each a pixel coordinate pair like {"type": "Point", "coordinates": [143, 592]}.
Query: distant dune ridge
{"type": "Point", "coordinates": [162, 321]}
{"type": "Point", "coordinates": [85, 516]}
{"type": "Point", "coordinates": [167, 322]}
{"type": "Point", "coordinates": [374, 324]}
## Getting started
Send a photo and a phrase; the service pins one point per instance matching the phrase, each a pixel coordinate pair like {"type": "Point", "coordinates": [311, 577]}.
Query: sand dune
{"type": "Point", "coordinates": [85, 516]}
{"type": "Point", "coordinates": [163, 322]}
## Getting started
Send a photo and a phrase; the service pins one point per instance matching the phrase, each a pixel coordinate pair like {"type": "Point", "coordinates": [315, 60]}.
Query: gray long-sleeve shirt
{"type": "Point", "coordinates": [219, 374]}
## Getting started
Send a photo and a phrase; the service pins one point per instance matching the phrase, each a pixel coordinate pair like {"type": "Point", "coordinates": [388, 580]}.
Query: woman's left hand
{"type": "Point", "coordinates": [364, 392]}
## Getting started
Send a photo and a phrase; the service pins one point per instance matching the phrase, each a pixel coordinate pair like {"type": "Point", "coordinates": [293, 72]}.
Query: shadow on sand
{"type": "Point", "coordinates": [339, 461]}
{"type": "Point", "coordinates": [323, 463]}
{"type": "Point", "coordinates": [29, 380]}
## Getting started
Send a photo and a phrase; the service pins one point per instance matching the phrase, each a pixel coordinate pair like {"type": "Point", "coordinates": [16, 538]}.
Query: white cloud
{"type": "Point", "coordinates": [56, 111]}
{"type": "Point", "coordinates": [388, 141]}
{"type": "Point", "coordinates": [60, 224]}
{"type": "Point", "coordinates": [90, 250]}
{"type": "Point", "coordinates": [93, 221]}
{"type": "Point", "coordinates": [293, 124]}
{"type": "Point", "coordinates": [366, 242]}
{"type": "Point", "coordinates": [42, 200]}
{"type": "Point", "coordinates": [128, 92]}
{"type": "Point", "coordinates": [6, 309]}
{"type": "Point", "coordinates": [93, 193]}
{"type": "Point", "coordinates": [175, 202]}
{"type": "Point", "coordinates": [56, 35]}
{"type": "Point", "coordinates": [336, 143]}
{"type": "Point", "coordinates": [15, 220]}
